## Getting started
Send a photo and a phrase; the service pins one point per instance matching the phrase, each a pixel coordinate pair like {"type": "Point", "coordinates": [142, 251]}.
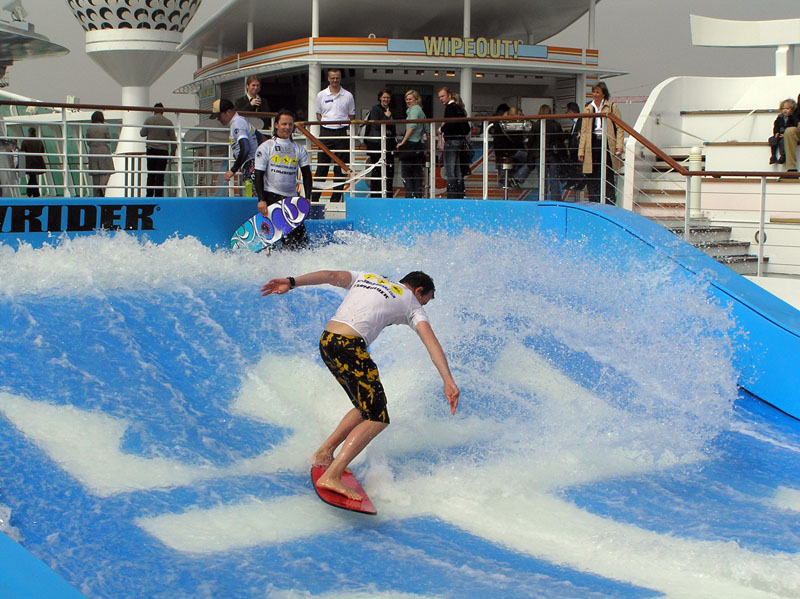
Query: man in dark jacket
{"type": "Point", "coordinates": [252, 101]}
{"type": "Point", "coordinates": [455, 138]}
{"type": "Point", "coordinates": [34, 162]}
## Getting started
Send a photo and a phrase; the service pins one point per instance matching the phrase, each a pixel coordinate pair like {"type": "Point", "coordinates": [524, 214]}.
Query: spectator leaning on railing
{"type": "Point", "coordinates": [34, 162]}
{"type": "Point", "coordinates": [411, 149]}
{"type": "Point", "coordinates": [589, 150]}
{"type": "Point", "coordinates": [100, 164]}
{"type": "Point", "coordinates": [334, 103]}
{"type": "Point", "coordinates": [380, 112]}
{"type": "Point", "coordinates": [455, 137]}
{"type": "Point", "coordinates": [160, 134]}
{"type": "Point", "coordinates": [252, 101]}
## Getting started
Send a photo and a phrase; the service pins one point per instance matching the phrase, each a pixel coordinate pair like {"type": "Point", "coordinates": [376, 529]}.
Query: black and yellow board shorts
{"type": "Point", "coordinates": [347, 358]}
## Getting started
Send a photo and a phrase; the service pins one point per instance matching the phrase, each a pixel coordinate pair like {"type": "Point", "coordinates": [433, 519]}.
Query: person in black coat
{"type": "Point", "coordinates": [455, 140]}
{"type": "Point", "coordinates": [34, 162]}
{"type": "Point", "coordinates": [381, 112]}
{"type": "Point", "coordinates": [252, 101]}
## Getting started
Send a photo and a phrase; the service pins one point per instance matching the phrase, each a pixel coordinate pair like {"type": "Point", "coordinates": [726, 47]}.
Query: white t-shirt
{"type": "Point", "coordinates": [240, 128]}
{"type": "Point", "coordinates": [280, 159]}
{"type": "Point", "coordinates": [373, 303]}
{"type": "Point", "coordinates": [338, 107]}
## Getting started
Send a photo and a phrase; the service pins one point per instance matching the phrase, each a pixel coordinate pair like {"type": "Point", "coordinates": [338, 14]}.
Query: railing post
{"type": "Point", "coordinates": [432, 163]}
{"type": "Point", "coordinates": [83, 178]}
{"type": "Point", "coordinates": [603, 159]}
{"type": "Point", "coordinates": [231, 191]}
{"type": "Point", "coordinates": [693, 197]}
{"type": "Point", "coordinates": [384, 158]}
{"type": "Point", "coordinates": [351, 148]}
{"type": "Point", "coordinates": [64, 164]}
{"type": "Point", "coordinates": [686, 211]}
{"type": "Point", "coordinates": [179, 157]}
{"type": "Point", "coordinates": [542, 145]}
{"type": "Point", "coordinates": [761, 233]}
{"type": "Point", "coordinates": [485, 176]}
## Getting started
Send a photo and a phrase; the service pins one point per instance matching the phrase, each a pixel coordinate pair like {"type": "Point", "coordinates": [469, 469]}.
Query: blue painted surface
{"type": "Point", "coordinates": [168, 354]}
{"type": "Point", "coordinates": [211, 220]}
{"type": "Point", "coordinates": [22, 576]}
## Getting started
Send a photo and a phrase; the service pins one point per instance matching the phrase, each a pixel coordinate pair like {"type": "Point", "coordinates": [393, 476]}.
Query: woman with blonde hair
{"type": "Point", "coordinates": [411, 148]}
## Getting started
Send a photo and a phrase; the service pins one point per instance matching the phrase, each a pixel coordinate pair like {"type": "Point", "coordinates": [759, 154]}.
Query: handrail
{"type": "Point", "coordinates": [683, 170]}
{"type": "Point", "coordinates": [305, 124]}
{"type": "Point", "coordinates": [66, 160]}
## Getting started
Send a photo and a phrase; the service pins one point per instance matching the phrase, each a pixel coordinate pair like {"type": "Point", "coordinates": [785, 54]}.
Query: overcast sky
{"type": "Point", "coordinates": [650, 39]}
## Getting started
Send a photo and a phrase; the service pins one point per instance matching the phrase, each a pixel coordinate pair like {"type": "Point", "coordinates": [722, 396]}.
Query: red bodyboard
{"type": "Point", "coordinates": [364, 506]}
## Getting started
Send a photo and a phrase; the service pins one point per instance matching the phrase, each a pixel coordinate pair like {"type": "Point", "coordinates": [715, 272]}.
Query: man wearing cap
{"type": "Point", "coordinates": [244, 139]}
{"type": "Point", "coordinates": [160, 145]}
{"type": "Point", "coordinates": [334, 103]}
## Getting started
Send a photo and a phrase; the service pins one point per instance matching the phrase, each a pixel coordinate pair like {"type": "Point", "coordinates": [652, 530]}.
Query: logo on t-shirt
{"type": "Point", "coordinates": [396, 289]}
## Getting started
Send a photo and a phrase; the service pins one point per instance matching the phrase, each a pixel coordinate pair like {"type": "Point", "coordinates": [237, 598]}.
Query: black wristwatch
{"type": "Point", "coordinates": [292, 283]}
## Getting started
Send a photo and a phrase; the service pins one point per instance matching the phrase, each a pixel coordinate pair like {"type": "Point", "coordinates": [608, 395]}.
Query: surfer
{"type": "Point", "coordinates": [277, 162]}
{"type": "Point", "coordinates": [371, 304]}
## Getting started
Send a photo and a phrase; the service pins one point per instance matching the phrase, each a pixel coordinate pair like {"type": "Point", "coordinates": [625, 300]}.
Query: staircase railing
{"type": "Point", "coordinates": [756, 205]}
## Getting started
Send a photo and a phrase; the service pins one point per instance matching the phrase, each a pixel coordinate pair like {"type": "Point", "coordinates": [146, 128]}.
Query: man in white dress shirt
{"type": "Point", "coordinates": [334, 103]}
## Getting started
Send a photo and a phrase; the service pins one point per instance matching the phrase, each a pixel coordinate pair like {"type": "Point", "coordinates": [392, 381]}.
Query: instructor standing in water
{"type": "Point", "coordinates": [371, 304]}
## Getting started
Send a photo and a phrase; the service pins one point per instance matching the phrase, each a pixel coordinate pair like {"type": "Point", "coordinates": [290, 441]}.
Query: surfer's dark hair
{"type": "Point", "coordinates": [281, 112]}
{"type": "Point", "coordinates": [418, 278]}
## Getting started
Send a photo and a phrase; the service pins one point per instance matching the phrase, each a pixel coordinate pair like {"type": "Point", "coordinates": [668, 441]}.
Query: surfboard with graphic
{"type": "Point", "coordinates": [364, 506]}
{"type": "Point", "coordinates": [258, 232]}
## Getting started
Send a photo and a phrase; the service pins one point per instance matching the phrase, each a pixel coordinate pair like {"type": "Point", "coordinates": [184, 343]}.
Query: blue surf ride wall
{"type": "Point", "coordinates": [766, 351]}
{"type": "Point", "coordinates": [766, 357]}
{"type": "Point", "coordinates": [202, 366]}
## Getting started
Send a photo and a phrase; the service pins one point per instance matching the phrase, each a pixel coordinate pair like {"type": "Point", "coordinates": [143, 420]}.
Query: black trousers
{"type": "Point", "coordinates": [33, 184]}
{"type": "Point", "coordinates": [593, 178]}
{"type": "Point", "coordinates": [373, 156]}
{"type": "Point", "coordinates": [156, 165]}
{"type": "Point", "coordinates": [324, 161]}
{"type": "Point", "coordinates": [298, 238]}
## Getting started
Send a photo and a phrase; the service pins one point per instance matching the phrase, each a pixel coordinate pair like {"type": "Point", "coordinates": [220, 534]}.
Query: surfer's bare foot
{"type": "Point", "coordinates": [337, 486]}
{"type": "Point", "coordinates": [322, 458]}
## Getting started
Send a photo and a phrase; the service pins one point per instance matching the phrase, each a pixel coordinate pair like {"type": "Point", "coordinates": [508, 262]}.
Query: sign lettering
{"type": "Point", "coordinates": [54, 218]}
{"type": "Point", "coordinates": [471, 47]}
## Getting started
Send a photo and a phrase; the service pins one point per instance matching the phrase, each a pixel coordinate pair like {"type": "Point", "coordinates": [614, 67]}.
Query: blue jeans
{"type": "Point", "coordinates": [523, 169]}
{"type": "Point", "coordinates": [552, 183]}
{"type": "Point", "coordinates": [451, 167]}
{"type": "Point", "coordinates": [413, 176]}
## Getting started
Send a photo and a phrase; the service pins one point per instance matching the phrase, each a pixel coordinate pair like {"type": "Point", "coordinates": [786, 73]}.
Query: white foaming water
{"type": "Point", "coordinates": [524, 430]}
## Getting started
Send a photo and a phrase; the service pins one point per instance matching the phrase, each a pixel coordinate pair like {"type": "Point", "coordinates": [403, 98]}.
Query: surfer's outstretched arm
{"type": "Point", "coordinates": [338, 278]}
{"type": "Point", "coordinates": [428, 337]}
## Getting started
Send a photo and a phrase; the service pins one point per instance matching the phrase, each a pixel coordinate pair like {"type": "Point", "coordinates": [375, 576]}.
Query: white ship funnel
{"type": "Point", "coordinates": [135, 42]}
